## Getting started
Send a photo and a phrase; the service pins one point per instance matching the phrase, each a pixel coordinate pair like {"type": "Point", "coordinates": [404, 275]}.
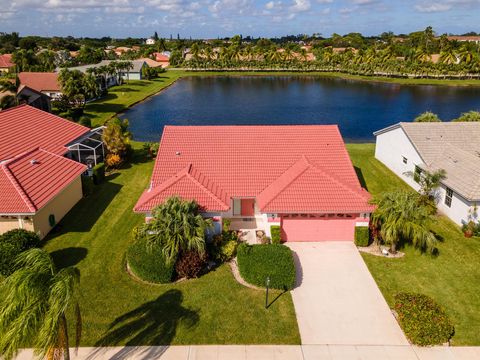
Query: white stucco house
{"type": "Point", "coordinates": [150, 41]}
{"type": "Point", "coordinates": [455, 147]}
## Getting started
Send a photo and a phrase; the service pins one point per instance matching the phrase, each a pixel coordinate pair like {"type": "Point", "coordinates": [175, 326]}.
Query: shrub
{"type": "Point", "coordinates": [223, 247]}
{"type": "Point", "coordinates": [148, 263]}
{"type": "Point", "coordinates": [85, 121]}
{"type": "Point", "coordinates": [190, 264]}
{"type": "Point", "coordinates": [226, 224]}
{"type": "Point", "coordinates": [276, 234]}
{"type": "Point", "coordinates": [88, 186]}
{"type": "Point", "coordinates": [13, 243]}
{"type": "Point", "coordinates": [362, 236]}
{"type": "Point", "coordinates": [98, 173]}
{"type": "Point", "coordinates": [257, 262]}
{"type": "Point", "coordinates": [113, 161]}
{"type": "Point", "coordinates": [422, 319]}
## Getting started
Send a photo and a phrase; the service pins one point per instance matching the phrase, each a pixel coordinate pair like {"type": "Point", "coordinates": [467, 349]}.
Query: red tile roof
{"type": "Point", "coordinates": [40, 81]}
{"type": "Point", "coordinates": [29, 181]}
{"type": "Point", "coordinates": [6, 61]}
{"type": "Point", "coordinates": [24, 127]}
{"type": "Point", "coordinates": [161, 57]}
{"type": "Point", "coordinates": [303, 168]}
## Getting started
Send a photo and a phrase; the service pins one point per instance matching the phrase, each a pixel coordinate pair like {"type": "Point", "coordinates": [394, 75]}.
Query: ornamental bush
{"type": "Point", "coordinates": [98, 173]}
{"type": "Point", "coordinates": [149, 263]}
{"type": "Point", "coordinates": [223, 247]}
{"type": "Point", "coordinates": [13, 243]}
{"type": "Point", "coordinates": [422, 319]}
{"type": "Point", "coordinates": [362, 236]}
{"type": "Point", "coordinates": [190, 265]}
{"type": "Point", "coordinates": [276, 234]}
{"type": "Point", "coordinates": [257, 262]}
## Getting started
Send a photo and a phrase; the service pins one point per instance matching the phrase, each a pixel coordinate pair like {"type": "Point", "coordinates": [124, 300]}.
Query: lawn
{"type": "Point", "coordinates": [451, 278]}
{"type": "Point", "coordinates": [117, 310]}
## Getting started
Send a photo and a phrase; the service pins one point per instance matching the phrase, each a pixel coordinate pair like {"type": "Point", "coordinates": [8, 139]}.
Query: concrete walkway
{"type": "Point", "coordinates": [267, 352]}
{"type": "Point", "coordinates": [336, 299]}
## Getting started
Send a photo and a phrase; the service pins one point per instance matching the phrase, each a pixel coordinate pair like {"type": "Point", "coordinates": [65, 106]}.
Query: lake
{"type": "Point", "coordinates": [358, 107]}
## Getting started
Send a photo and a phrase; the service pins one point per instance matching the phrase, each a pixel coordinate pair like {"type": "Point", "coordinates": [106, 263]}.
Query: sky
{"type": "Point", "coordinates": [221, 18]}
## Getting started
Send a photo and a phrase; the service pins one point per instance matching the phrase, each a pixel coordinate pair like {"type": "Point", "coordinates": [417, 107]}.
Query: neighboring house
{"type": "Point", "coordinates": [298, 177]}
{"type": "Point", "coordinates": [39, 181]}
{"type": "Point", "coordinates": [45, 82]}
{"type": "Point", "coordinates": [110, 79]}
{"type": "Point", "coordinates": [32, 97]}
{"type": "Point", "coordinates": [6, 64]}
{"type": "Point", "coordinates": [150, 41]}
{"type": "Point", "coordinates": [474, 39]}
{"type": "Point", "coordinates": [162, 58]}
{"type": "Point", "coordinates": [151, 63]}
{"type": "Point", "coordinates": [408, 149]}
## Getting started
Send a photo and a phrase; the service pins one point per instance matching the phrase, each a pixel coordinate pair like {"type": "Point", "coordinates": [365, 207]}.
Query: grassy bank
{"type": "Point", "coordinates": [118, 310]}
{"type": "Point", "coordinates": [450, 278]}
{"type": "Point", "coordinates": [120, 98]}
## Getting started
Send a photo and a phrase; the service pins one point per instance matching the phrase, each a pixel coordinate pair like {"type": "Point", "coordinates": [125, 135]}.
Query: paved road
{"type": "Point", "coordinates": [336, 299]}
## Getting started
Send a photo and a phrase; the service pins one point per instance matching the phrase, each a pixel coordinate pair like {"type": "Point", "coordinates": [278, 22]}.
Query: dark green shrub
{"type": "Point", "coordinates": [88, 186]}
{"type": "Point", "coordinates": [12, 243]}
{"type": "Point", "coordinates": [276, 234]}
{"type": "Point", "coordinates": [148, 263]}
{"type": "Point", "coordinates": [257, 262]}
{"type": "Point", "coordinates": [362, 235]}
{"type": "Point", "coordinates": [85, 121]}
{"type": "Point", "coordinates": [98, 173]}
{"type": "Point", "coordinates": [422, 319]}
{"type": "Point", "coordinates": [190, 265]}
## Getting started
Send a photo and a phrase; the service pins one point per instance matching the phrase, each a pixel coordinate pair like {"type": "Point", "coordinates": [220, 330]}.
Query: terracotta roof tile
{"type": "Point", "coordinates": [6, 61]}
{"type": "Point", "coordinates": [40, 81]}
{"type": "Point", "coordinates": [244, 161]}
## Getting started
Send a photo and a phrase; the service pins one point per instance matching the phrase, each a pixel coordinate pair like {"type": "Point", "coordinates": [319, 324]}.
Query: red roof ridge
{"type": "Point", "coordinates": [220, 196]}
{"type": "Point", "coordinates": [16, 184]}
{"type": "Point", "coordinates": [185, 172]}
{"type": "Point", "coordinates": [272, 191]}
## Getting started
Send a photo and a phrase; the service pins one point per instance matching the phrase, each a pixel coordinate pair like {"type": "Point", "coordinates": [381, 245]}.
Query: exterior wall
{"type": "Point", "coordinates": [59, 207]}
{"type": "Point", "coordinates": [52, 94]}
{"type": "Point", "coordinates": [8, 223]}
{"type": "Point", "coordinates": [390, 149]}
{"type": "Point", "coordinates": [132, 76]}
{"type": "Point", "coordinates": [461, 211]}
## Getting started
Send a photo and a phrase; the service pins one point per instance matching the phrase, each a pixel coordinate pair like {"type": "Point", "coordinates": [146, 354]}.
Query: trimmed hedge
{"type": "Point", "coordinates": [362, 235]}
{"type": "Point", "coordinates": [422, 319]}
{"type": "Point", "coordinates": [256, 262]}
{"type": "Point", "coordinates": [12, 244]}
{"type": "Point", "coordinates": [149, 263]}
{"type": "Point", "coordinates": [98, 173]}
{"type": "Point", "coordinates": [276, 234]}
{"type": "Point", "coordinates": [88, 187]}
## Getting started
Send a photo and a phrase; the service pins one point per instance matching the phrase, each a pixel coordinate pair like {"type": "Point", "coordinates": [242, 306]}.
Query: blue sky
{"type": "Point", "coordinates": [212, 18]}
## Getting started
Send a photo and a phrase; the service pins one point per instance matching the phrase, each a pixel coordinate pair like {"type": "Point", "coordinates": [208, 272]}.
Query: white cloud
{"type": "Point", "coordinates": [432, 8]}
{"type": "Point", "coordinates": [300, 5]}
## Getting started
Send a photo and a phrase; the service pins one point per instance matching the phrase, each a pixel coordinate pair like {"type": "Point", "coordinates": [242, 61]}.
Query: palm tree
{"type": "Point", "coordinates": [10, 98]}
{"type": "Point", "coordinates": [34, 307]}
{"type": "Point", "coordinates": [400, 215]}
{"type": "Point", "coordinates": [177, 226]}
{"type": "Point", "coordinates": [448, 55]}
{"type": "Point", "coordinates": [427, 116]}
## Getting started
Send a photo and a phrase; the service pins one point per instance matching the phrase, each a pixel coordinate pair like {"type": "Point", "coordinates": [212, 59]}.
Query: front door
{"type": "Point", "coordinates": [248, 207]}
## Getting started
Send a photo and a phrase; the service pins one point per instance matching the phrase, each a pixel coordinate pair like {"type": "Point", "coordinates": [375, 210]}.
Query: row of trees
{"type": "Point", "coordinates": [468, 116]}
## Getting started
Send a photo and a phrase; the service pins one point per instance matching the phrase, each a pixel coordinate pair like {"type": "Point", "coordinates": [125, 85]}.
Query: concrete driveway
{"type": "Point", "coordinates": [336, 299]}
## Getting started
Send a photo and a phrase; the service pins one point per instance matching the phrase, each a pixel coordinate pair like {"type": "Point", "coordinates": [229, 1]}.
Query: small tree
{"type": "Point", "coordinates": [116, 137]}
{"type": "Point", "coordinates": [429, 182]}
{"type": "Point", "coordinates": [400, 215]}
{"type": "Point", "coordinates": [427, 116]}
{"type": "Point", "coordinates": [177, 227]}
{"type": "Point", "coordinates": [34, 306]}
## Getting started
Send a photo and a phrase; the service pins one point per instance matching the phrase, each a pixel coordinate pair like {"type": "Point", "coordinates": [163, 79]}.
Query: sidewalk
{"type": "Point", "coordinates": [273, 352]}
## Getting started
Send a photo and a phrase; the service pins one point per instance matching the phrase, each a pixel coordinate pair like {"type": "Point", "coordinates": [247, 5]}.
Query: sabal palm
{"type": "Point", "coordinates": [177, 226]}
{"type": "Point", "coordinates": [448, 56]}
{"type": "Point", "coordinates": [401, 216]}
{"type": "Point", "coordinates": [33, 309]}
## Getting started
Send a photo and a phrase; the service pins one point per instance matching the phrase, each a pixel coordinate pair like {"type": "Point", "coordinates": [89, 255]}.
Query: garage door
{"type": "Point", "coordinates": [318, 229]}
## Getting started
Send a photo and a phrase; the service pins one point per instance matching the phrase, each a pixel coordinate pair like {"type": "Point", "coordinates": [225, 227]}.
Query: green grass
{"type": "Point", "coordinates": [213, 309]}
{"type": "Point", "coordinates": [120, 98]}
{"type": "Point", "coordinates": [451, 278]}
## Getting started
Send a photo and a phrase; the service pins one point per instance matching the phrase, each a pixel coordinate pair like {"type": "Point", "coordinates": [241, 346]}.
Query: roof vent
{"type": "Point", "coordinates": [34, 162]}
{"type": "Point", "coordinates": [178, 153]}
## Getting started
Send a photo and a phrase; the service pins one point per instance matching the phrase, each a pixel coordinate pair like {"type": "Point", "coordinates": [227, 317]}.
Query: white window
{"type": "Point", "coordinates": [237, 207]}
{"type": "Point", "coordinates": [404, 159]}
{"type": "Point", "coordinates": [448, 197]}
